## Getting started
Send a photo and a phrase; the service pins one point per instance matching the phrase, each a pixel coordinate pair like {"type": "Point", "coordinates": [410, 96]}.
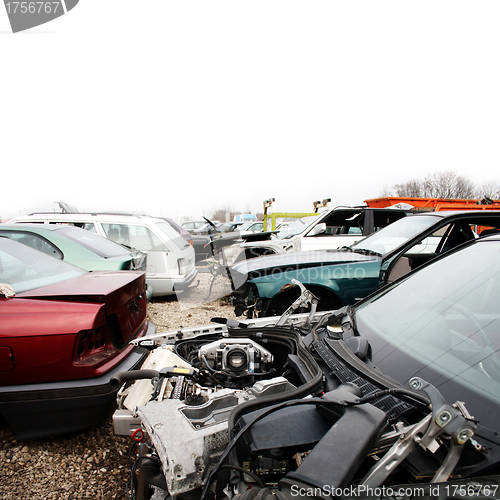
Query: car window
{"type": "Point", "coordinates": [455, 235]}
{"type": "Point", "coordinates": [136, 236]}
{"type": "Point", "coordinates": [172, 234]}
{"type": "Point", "coordinates": [192, 225]}
{"type": "Point", "coordinates": [384, 218]}
{"type": "Point", "coordinates": [88, 226]}
{"type": "Point", "coordinates": [97, 244]}
{"type": "Point", "coordinates": [25, 269]}
{"type": "Point", "coordinates": [430, 244]}
{"type": "Point", "coordinates": [296, 227]}
{"type": "Point", "coordinates": [178, 229]}
{"type": "Point", "coordinates": [34, 241]}
{"type": "Point", "coordinates": [485, 230]}
{"type": "Point", "coordinates": [391, 237]}
{"type": "Point", "coordinates": [343, 222]}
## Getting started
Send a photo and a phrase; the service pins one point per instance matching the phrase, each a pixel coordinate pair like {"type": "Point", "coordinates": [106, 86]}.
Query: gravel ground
{"type": "Point", "coordinates": [94, 464]}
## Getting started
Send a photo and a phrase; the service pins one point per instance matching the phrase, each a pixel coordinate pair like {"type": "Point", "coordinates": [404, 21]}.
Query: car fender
{"type": "Point", "coordinates": [350, 281]}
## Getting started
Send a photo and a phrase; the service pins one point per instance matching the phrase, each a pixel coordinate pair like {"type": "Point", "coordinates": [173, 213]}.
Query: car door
{"type": "Point", "coordinates": [449, 234]}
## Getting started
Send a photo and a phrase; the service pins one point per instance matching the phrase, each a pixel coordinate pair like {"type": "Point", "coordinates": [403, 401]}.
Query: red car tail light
{"type": "Point", "coordinates": [93, 346]}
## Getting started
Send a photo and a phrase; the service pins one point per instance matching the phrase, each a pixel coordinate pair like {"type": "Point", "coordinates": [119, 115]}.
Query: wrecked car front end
{"type": "Point", "coordinates": [396, 397]}
{"type": "Point", "coordinates": [288, 410]}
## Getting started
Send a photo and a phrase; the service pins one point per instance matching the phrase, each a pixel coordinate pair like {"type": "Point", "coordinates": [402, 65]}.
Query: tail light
{"type": "Point", "coordinates": [93, 346]}
{"type": "Point", "coordinates": [180, 266]}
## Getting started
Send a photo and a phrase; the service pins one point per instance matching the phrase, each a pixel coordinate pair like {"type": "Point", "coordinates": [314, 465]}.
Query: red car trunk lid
{"type": "Point", "coordinates": [123, 294]}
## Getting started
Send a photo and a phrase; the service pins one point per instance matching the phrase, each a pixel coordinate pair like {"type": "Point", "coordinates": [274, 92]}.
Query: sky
{"type": "Point", "coordinates": [180, 108]}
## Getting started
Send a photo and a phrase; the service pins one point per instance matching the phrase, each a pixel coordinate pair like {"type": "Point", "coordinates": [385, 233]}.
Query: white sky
{"type": "Point", "coordinates": [183, 107]}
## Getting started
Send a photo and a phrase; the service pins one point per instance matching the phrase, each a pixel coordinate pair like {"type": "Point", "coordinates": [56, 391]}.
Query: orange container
{"type": "Point", "coordinates": [433, 204]}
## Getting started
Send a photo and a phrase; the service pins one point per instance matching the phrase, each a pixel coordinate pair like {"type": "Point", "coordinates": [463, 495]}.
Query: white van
{"type": "Point", "coordinates": [171, 261]}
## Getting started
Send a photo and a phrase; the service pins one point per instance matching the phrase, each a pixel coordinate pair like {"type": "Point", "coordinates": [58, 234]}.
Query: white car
{"type": "Point", "coordinates": [331, 229]}
{"type": "Point", "coordinates": [171, 259]}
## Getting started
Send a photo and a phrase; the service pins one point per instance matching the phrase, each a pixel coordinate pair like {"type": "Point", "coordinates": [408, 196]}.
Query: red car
{"type": "Point", "coordinates": [64, 333]}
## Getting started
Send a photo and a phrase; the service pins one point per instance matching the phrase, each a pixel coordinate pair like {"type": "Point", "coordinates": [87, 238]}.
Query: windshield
{"type": "Point", "coordinates": [296, 227]}
{"type": "Point", "coordinates": [396, 234]}
{"type": "Point", "coordinates": [172, 234]}
{"type": "Point", "coordinates": [24, 268]}
{"type": "Point", "coordinates": [97, 244]}
{"type": "Point", "coordinates": [443, 325]}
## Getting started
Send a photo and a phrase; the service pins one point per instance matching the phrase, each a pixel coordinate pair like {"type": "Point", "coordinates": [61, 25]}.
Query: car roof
{"type": "Point", "coordinates": [35, 228]}
{"type": "Point", "coordinates": [446, 214]}
{"type": "Point", "coordinates": [85, 217]}
{"type": "Point", "coordinates": [40, 228]}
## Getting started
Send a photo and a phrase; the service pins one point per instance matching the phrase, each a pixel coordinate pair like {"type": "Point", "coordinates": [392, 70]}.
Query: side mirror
{"type": "Point", "coordinates": [318, 229]}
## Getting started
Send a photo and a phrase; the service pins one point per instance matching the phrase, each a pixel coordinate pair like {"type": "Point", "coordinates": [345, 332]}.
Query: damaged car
{"type": "Point", "coordinates": [394, 397]}
{"type": "Point", "coordinates": [171, 265]}
{"type": "Point", "coordinates": [64, 334]}
{"type": "Point", "coordinates": [331, 229]}
{"type": "Point", "coordinates": [261, 287]}
{"type": "Point", "coordinates": [76, 246]}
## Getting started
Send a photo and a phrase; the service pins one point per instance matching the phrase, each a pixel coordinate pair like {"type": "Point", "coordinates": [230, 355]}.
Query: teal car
{"type": "Point", "coordinates": [262, 286]}
{"type": "Point", "coordinates": [76, 246]}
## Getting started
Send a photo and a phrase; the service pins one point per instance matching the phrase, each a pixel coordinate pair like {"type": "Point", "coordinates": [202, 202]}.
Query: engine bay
{"type": "Point", "coordinates": [287, 408]}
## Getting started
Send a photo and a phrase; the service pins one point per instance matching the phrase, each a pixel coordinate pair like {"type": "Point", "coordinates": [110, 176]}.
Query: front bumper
{"type": "Point", "coordinates": [36, 411]}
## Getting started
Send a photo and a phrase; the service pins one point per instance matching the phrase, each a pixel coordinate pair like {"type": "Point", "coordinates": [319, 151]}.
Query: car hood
{"type": "Point", "coordinates": [299, 259]}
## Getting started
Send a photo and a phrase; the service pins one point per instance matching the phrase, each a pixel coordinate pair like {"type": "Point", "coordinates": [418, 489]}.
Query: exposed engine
{"type": "Point", "coordinates": [286, 411]}
{"type": "Point", "coordinates": [190, 387]}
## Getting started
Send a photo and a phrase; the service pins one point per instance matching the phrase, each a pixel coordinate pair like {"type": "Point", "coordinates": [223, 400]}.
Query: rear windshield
{"type": "Point", "coordinates": [25, 269]}
{"type": "Point", "coordinates": [172, 234]}
{"type": "Point", "coordinates": [97, 244]}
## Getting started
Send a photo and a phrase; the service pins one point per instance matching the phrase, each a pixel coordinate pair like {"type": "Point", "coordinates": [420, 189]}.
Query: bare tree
{"type": "Point", "coordinates": [464, 188]}
{"type": "Point", "coordinates": [439, 185]}
{"type": "Point", "coordinates": [410, 189]}
{"type": "Point", "coordinates": [489, 190]}
{"type": "Point", "coordinates": [447, 185]}
{"type": "Point", "coordinates": [224, 214]}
